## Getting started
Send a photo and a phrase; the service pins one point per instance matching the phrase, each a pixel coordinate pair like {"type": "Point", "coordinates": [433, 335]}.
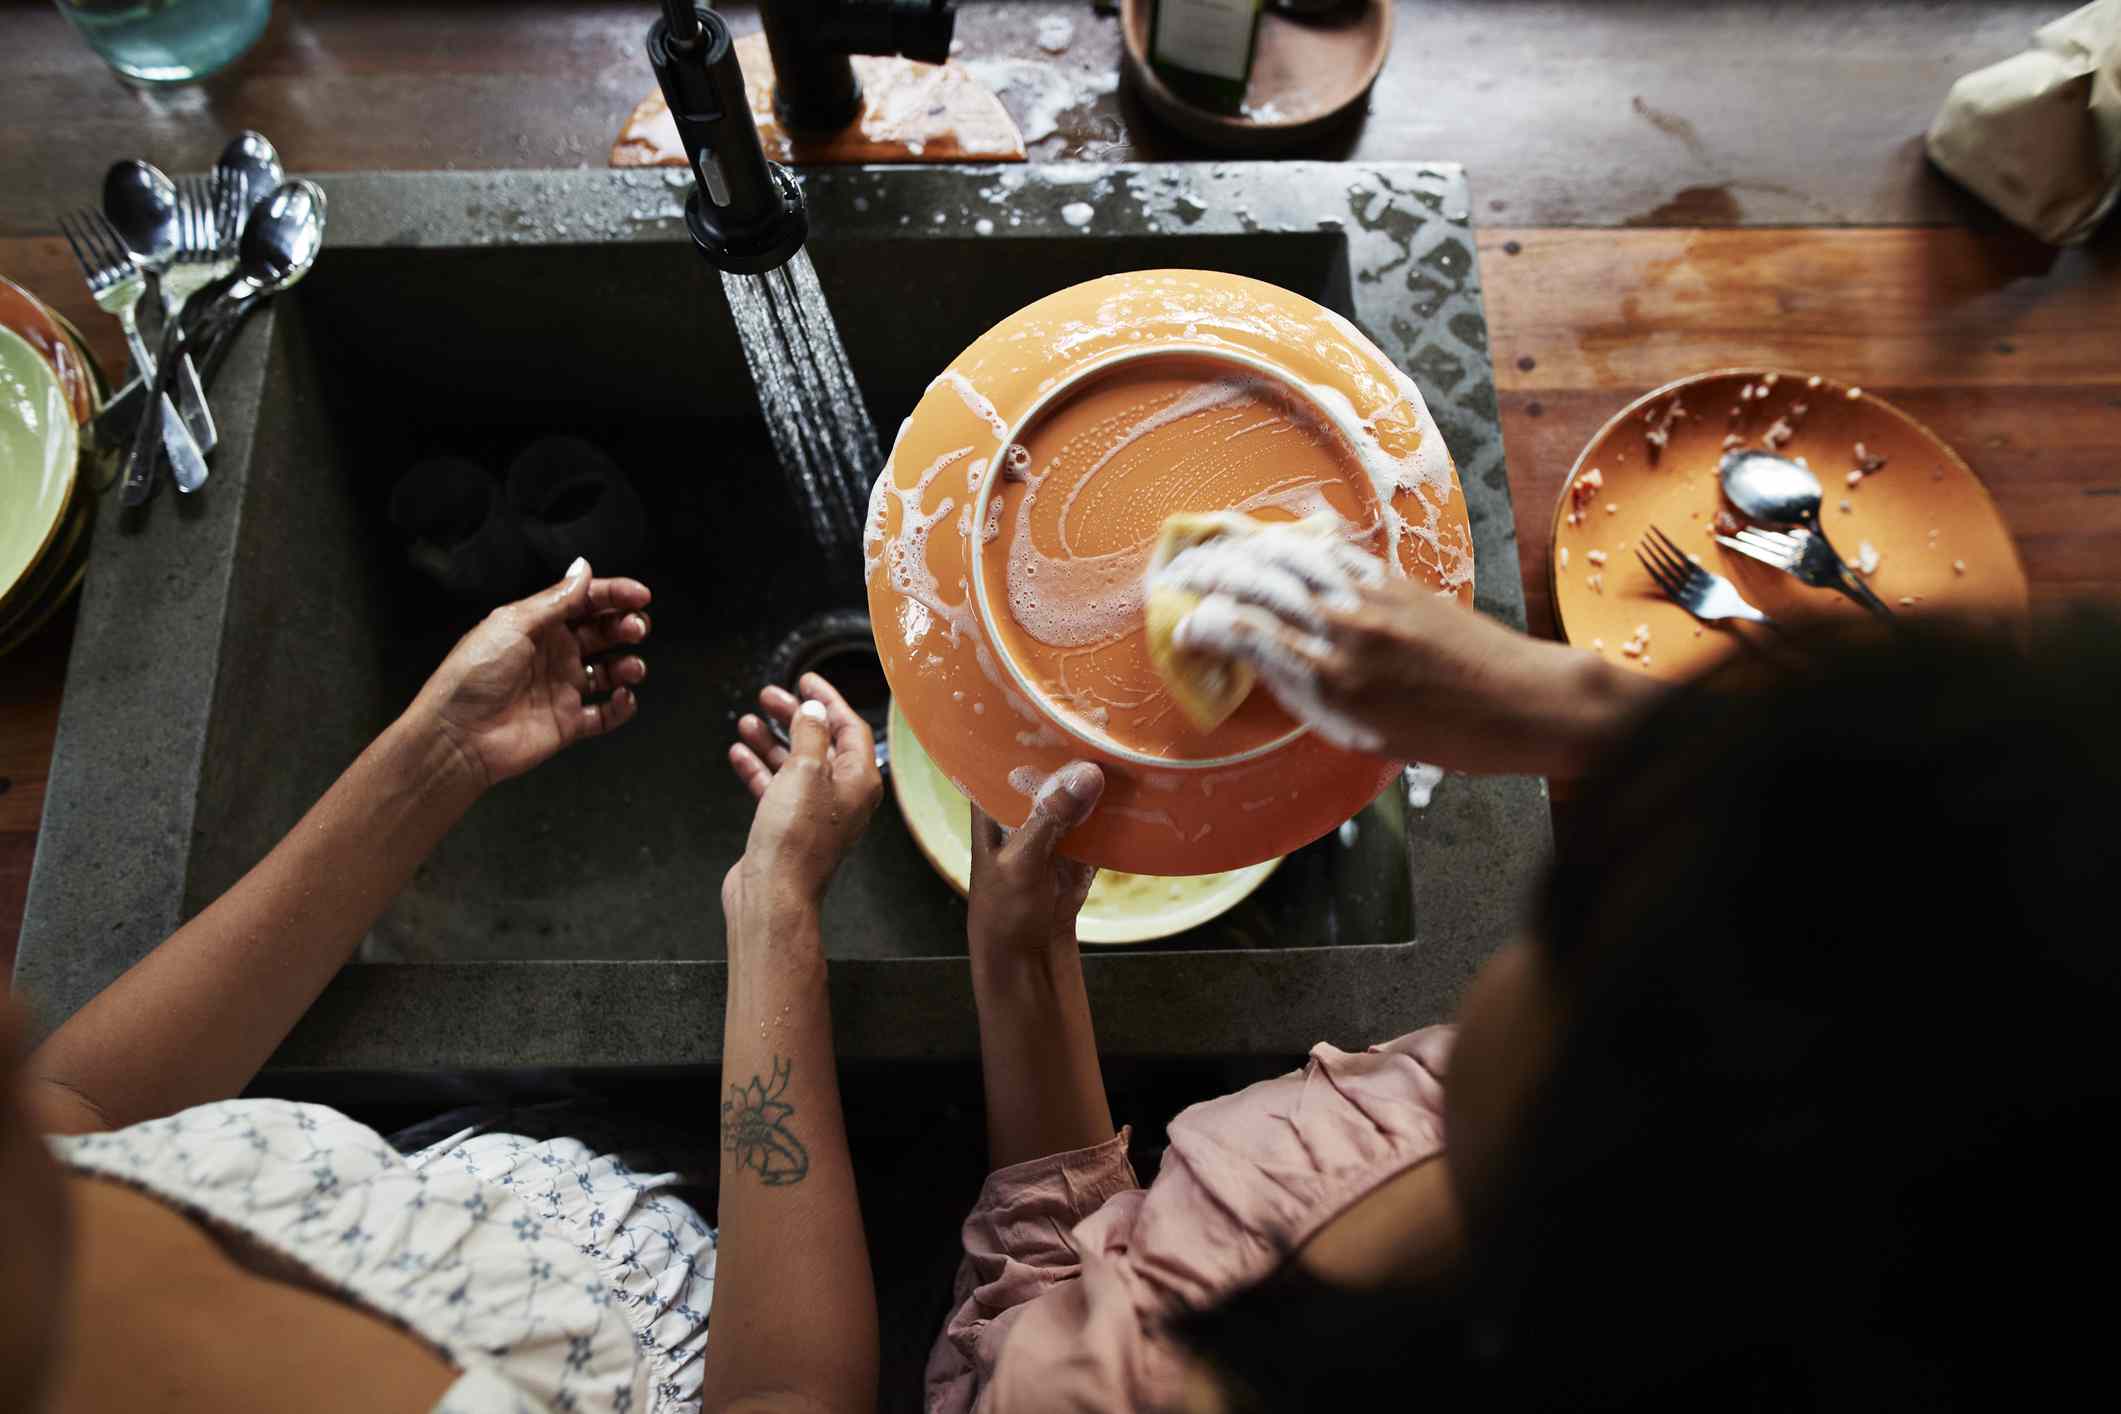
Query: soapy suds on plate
{"type": "Point", "coordinates": [974, 399]}
{"type": "Point", "coordinates": [1081, 602]}
{"type": "Point", "coordinates": [1066, 598]}
{"type": "Point", "coordinates": [905, 556]}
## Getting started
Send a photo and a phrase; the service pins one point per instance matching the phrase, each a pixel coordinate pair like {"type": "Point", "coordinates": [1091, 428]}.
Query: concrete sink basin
{"type": "Point", "coordinates": [237, 648]}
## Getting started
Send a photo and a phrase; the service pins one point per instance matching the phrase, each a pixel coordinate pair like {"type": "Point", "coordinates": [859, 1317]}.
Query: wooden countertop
{"type": "Point", "coordinates": [1668, 189]}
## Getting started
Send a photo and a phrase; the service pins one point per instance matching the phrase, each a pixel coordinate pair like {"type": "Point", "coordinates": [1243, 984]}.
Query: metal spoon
{"type": "Point", "coordinates": [279, 244]}
{"type": "Point", "coordinates": [141, 202]}
{"type": "Point", "coordinates": [1776, 491]}
{"type": "Point", "coordinates": [280, 240]}
{"type": "Point", "coordinates": [249, 168]}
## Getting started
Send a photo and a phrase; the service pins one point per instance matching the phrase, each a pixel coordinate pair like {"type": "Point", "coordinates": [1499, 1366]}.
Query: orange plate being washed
{"type": "Point", "coordinates": [1009, 531]}
{"type": "Point", "coordinates": [1941, 545]}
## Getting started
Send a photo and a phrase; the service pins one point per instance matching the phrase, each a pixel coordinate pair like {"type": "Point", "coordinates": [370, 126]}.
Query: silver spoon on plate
{"type": "Point", "coordinates": [1776, 492]}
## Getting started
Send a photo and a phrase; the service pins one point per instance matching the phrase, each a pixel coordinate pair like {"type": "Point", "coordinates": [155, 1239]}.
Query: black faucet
{"type": "Point", "coordinates": [745, 213]}
{"type": "Point", "coordinates": [815, 90]}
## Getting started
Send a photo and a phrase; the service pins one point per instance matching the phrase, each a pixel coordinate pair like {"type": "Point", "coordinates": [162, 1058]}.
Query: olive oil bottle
{"type": "Point", "coordinates": [1202, 49]}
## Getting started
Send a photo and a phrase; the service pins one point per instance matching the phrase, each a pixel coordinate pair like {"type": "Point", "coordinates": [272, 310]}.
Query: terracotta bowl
{"type": "Point", "coordinates": [1009, 531]}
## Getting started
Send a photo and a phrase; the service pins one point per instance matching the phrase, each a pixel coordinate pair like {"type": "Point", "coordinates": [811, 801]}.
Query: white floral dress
{"type": "Point", "coordinates": [555, 1278]}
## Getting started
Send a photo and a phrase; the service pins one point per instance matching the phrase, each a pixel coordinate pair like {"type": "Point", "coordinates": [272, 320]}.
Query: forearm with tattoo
{"type": "Point", "coordinates": [755, 1128]}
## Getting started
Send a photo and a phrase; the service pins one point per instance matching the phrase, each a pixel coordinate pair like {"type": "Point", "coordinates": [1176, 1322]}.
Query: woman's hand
{"type": "Point", "coordinates": [518, 687]}
{"type": "Point", "coordinates": [1024, 896]}
{"type": "Point", "coordinates": [1390, 666]}
{"type": "Point", "coordinates": [815, 795]}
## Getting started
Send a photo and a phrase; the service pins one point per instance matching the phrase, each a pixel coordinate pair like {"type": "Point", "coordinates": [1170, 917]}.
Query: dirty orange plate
{"type": "Point", "coordinates": [1010, 529]}
{"type": "Point", "coordinates": [1941, 546]}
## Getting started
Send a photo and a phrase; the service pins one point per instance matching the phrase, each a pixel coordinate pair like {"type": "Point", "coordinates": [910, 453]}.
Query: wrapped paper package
{"type": "Point", "coordinates": [2038, 136]}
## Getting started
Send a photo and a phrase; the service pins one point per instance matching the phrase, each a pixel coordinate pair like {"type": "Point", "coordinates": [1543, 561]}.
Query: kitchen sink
{"type": "Point", "coordinates": [239, 647]}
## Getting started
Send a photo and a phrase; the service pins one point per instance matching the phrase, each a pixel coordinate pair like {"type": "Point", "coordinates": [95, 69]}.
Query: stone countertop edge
{"type": "Point", "coordinates": [110, 873]}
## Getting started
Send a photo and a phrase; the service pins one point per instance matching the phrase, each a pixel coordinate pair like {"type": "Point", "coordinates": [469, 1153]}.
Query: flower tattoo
{"type": "Point", "coordinates": [754, 1128]}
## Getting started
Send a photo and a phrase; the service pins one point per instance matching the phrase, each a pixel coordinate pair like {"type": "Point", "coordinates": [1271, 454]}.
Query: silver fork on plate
{"type": "Point", "coordinates": [1807, 557]}
{"type": "Point", "coordinates": [116, 284]}
{"type": "Point", "coordinates": [1707, 596]}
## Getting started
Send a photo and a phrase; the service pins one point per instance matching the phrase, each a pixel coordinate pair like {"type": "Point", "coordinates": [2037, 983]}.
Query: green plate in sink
{"type": "Point", "coordinates": [39, 460]}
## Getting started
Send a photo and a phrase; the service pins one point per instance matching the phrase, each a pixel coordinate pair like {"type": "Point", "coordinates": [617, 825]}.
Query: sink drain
{"type": "Point", "coordinates": [840, 648]}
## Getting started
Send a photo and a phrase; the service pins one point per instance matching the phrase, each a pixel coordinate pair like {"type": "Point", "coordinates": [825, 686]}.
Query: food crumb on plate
{"type": "Point", "coordinates": [1596, 557]}
{"type": "Point", "coordinates": [1612, 508]}
{"type": "Point", "coordinates": [1958, 567]}
{"type": "Point", "coordinates": [1867, 558]}
{"type": "Point", "coordinates": [1563, 556]}
{"type": "Point", "coordinates": [1845, 506]}
{"type": "Point", "coordinates": [1854, 393]}
{"type": "Point", "coordinates": [1597, 583]}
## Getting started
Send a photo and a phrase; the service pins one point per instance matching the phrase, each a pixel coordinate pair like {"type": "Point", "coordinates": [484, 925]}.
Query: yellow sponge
{"type": "Point", "coordinates": [1207, 687]}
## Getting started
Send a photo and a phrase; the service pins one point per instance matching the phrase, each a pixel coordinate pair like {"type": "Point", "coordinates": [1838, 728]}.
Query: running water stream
{"type": "Point", "coordinates": [813, 409]}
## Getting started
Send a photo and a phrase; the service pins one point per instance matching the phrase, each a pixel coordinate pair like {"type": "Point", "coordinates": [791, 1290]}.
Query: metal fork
{"type": "Point", "coordinates": [1808, 557]}
{"type": "Point", "coordinates": [229, 211]}
{"type": "Point", "coordinates": [116, 284]}
{"type": "Point", "coordinates": [1707, 596]}
{"type": "Point", "coordinates": [199, 245]}
{"type": "Point", "coordinates": [114, 281]}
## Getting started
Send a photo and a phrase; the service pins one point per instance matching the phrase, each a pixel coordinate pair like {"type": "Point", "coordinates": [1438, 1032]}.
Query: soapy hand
{"type": "Point", "coordinates": [528, 679]}
{"type": "Point", "coordinates": [815, 795]}
{"type": "Point", "coordinates": [1281, 600]}
{"type": "Point", "coordinates": [1024, 896]}
{"type": "Point", "coordinates": [1390, 666]}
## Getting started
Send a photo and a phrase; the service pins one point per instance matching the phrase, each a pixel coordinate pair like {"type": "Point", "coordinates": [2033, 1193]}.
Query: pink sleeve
{"type": "Point", "coordinates": [1019, 1244]}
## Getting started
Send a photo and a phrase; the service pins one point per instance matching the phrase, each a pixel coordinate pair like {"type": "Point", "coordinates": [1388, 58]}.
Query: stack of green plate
{"type": "Point", "coordinates": [49, 388]}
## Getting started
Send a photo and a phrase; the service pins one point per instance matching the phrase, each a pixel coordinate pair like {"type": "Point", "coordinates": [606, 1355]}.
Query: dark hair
{"type": "Point", "coordinates": [1822, 1131]}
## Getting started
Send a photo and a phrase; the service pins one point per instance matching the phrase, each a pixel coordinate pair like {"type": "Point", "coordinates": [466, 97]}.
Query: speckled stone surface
{"type": "Point", "coordinates": [222, 670]}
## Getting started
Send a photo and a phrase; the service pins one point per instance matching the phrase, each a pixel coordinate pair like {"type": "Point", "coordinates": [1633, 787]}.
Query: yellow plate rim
{"type": "Point", "coordinates": [1090, 927]}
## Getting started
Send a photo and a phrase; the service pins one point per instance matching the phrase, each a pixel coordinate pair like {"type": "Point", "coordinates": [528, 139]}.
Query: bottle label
{"type": "Point", "coordinates": [1211, 37]}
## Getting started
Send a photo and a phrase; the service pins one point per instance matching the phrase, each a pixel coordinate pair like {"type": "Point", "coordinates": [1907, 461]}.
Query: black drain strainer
{"type": "Point", "coordinates": [839, 647]}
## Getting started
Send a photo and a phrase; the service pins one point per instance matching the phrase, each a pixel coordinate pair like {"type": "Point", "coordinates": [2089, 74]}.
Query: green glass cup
{"type": "Point", "coordinates": [168, 41]}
